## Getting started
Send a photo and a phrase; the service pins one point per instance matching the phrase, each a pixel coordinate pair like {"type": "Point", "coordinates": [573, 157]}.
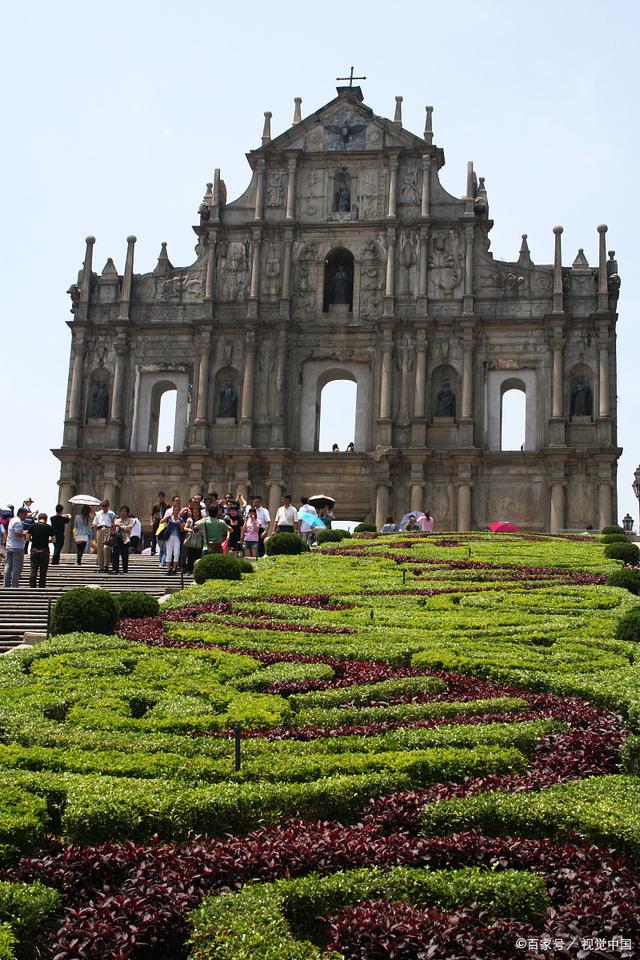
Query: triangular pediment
{"type": "Point", "coordinates": [343, 124]}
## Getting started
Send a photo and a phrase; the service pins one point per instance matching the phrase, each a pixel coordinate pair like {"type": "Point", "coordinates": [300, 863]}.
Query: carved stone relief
{"type": "Point", "coordinates": [275, 188]}
{"type": "Point", "coordinates": [371, 281]}
{"type": "Point", "coordinates": [408, 256]}
{"type": "Point", "coordinates": [271, 285]}
{"type": "Point", "coordinates": [368, 195]}
{"type": "Point", "coordinates": [233, 276]}
{"type": "Point", "coordinates": [410, 185]}
{"type": "Point", "coordinates": [304, 278]}
{"type": "Point", "coordinates": [446, 264]}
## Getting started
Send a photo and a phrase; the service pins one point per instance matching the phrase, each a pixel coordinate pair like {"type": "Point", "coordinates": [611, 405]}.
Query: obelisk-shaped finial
{"type": "Point", "coordinates": [397, 117]}
{"type": "Point", "coordinates": [266, 130]}
{"type": "Point", "coordinates": [297, 109]}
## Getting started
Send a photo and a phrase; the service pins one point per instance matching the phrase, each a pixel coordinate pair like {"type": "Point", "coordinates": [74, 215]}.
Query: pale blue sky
{"type": "Point", "coordinates": [114, 116]}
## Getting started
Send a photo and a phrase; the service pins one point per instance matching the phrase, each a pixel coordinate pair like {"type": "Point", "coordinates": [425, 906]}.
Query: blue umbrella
{"type": "Point", "coordinates": [311, 519]}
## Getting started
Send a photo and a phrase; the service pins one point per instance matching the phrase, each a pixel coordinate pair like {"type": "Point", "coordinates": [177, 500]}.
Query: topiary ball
{"type": "Point", "coordinates": [627, 552]}
{"type": "Point", "coordinates": [612, 528]}
{"type": "Point", "coordinates": [614, 538]}
{"type": "Point", "coordinates": [331, 536]}
{"type": "Point", "coordinates": [84, 610]}
{"type": "Point", "coordinates": [133, 604]}
{"type": "Point", "coordinates": [289, 543]}
{"type": "Point", "coordinates": [627, 579]}
{"type": "Point", "coordinates": [216, 566]}
{"type": "Point", "coordinates": [365, 528]}
{"type": "Point", "coordinates": [246, 566]}
{"type": "Point", "coordinates": [629, 626]}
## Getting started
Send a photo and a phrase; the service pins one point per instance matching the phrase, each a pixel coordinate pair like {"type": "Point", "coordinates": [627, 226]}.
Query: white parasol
{"type": "Point", "coordinates": [85, 499]}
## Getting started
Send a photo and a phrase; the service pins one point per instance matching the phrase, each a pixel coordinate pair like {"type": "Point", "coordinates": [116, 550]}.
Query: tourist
{"type": "Point", "coordinates": [136, 536]}
{"type": "Point", "coordinates": [121, 535]}
{"type": "Point", "coordinates": [306, 529]}
{"type": "Point", "coordinates": [175, 525]}
{"type": "Point", "coordinates": [30, 519]}
{"type": "Point", "coordinates": [389, 526]}
{"type": "Point", "coordinates": [102, 523]}
{"type": "Point", "coordinates": [426, 522]}
{"type": "Point", "coordinates": [59, 523]}
{"type": "Point", "coordinates": [351, 448]}
{"type": "Point", "coordinates": [412, 525]}
{"type": "Point", "coordinates": [286, 520]}
{"type": "Point", "coordinates": [251, 533]}
{"type": "Point", "coordinates": [40, 536]}
{"type": "Point", "coordinates": [214, 532]}
{"type": "Point", "coordinates": [235, 522]}
{"type": "Point", "coordinates": [335, 448]}
{"type": "Point", "coordinates": [327, 515]}
{"type": "Point", "coordinates": [193, 539]}
{"type": "Point", "coordinates": [158, 511]}
{"type": "Point", "coordinates": [82, 531]}
{"type": "Point", "coordinates": [16, 536]}
{"type": "Point", "coordinates": [264, 518]}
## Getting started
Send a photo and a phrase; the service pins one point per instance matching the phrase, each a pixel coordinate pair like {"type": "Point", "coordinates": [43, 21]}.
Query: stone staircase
{"type": "Point", "coordinates": [25, 610]}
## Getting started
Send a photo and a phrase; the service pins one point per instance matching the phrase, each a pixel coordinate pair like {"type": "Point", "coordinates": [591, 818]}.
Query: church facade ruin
{"type": "Point", "coordinates": [346, 259]}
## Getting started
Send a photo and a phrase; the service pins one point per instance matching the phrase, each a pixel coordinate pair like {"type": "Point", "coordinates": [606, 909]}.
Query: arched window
{"type": "Point", "coordinates": [513, 417]}
{"type": "Point", "coordinates": [162, 419]}
{"type": "Point", "coordinates": [338, 279]}
{"type": "Point", "coordinates": [336, 414]}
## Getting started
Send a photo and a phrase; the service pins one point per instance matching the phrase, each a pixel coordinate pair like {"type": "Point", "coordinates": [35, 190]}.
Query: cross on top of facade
{"type": "Point", "coordinates": [351, 78]}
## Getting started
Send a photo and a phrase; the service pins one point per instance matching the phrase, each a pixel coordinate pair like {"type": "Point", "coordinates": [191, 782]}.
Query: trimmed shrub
{"type": "Point", "coordinates": [215, 566]}
{"type": "Point", "coordinates": [246, 566]}
{"type": "Point", "coordinates": [281, 543]}
{"type": "Point", "coordinates": [365, 528]}
{"type": "Point", "coordinates": [627, 579]}
{"type": "Point", "coordinates": [7, 942]}
{"type": "Point", "coordinates": [23, 818]}
{"type": "Point", "coordinates": [629, 626]}
{"type": "Point", "coordinates": [84, 609]}
{"type": "Point", "coordinates": [27, 909]}
{"type": "Point", "coordinates": [612, 528]}
{"type": "Point", "coordinates": [627, 552]}
{"type": "Point", "coordinates": [133, 604]}
{"type": "Point", "coordinates": [614, 538]}
{"type": "Point", "coordinates": [631, 755]}
{"type": "Point", "coordinates": [332, 536]}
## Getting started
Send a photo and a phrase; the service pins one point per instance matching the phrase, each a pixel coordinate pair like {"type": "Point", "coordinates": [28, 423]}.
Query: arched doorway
{"type": "Point", "coordinates": [162, 419]}
{"type": "Point", "coordinates": [513, 417]}
{"type": "Point", "coordinates": [337, 414]}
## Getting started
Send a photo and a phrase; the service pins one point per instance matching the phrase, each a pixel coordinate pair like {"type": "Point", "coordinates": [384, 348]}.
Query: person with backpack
{"type": "Point", "coordinates": [215, 532]}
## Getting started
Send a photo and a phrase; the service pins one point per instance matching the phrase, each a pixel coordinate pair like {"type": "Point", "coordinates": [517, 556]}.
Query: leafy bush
{"type": "Point", "coordinates": [631, 755]}
{"type": "Point", "coordinates": [627, 579]}
{"type": "Point", "coordinates": [246, 566]}
{"type": "Point", "coordinates": [134, 603]}
{"type": "Point", "coordinates": [612, 528]}
{"type": "Point", "coordinates": [7, 942]}
{"type": "Point", "coordinates": [279, 672]}
{"type": "Point", "coordinates": [289, 543]}
{"type": "Point", "coordinates": [614, 538]}
{"type": "Point", "coordinates": [23, 818]}
{"type": "Point", "coordinates": [216, 566]}
{"type": "Point", "coordinates": [332, 536]}
{"type": "Point", "coordinates": [627, 552]}
{"type": "Point", "coordinates": [27, 908]}
{"type": "Point", "coordinates": [362, 694]}
{"type": "Point", "coordinates": [365, 528]}
{"type": "Point", "coordinates": [629, 626]}
{"type": "Point", "coordinates": [84, 609]}
{"type": "Point", "coordinates": [262, 921]}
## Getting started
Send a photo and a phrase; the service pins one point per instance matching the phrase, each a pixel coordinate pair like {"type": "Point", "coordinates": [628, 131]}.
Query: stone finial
{"type": "Point", "coordinates": [602, 228]}
{"type": "Point", "coordinates": [131, 239]}
{"type": "Point", "coordinates": [470, 180]}
{"type": "Point", "coordinates": [91, 240]}
{"type": "Point", "coordinates": [109, 270]}
{"type": "Point", "coordinates": [580, 262]}
{"type": "Point", "coordinates": [397, 117]}
{"type": "Point", "coordinates": [524, 258]}
{"type": "Point", "coordinates": [602, 267]}
{"type": "Point", "coordinates": [163, 265]}
{"type": "Point", "coordinates": [297, 110]}
{"type": "Point", "coordinates": [428, 125]}
{"type": "Point", "coordinates": [266, 130]}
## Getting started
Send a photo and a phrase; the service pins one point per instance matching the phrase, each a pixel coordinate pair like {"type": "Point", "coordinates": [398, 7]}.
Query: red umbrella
{"type": "Point", "coordinates": [503, 526]}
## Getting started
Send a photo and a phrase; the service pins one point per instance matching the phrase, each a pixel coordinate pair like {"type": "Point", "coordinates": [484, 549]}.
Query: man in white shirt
{"type": "Point", "coordinates": [306, 529]}
{"type": "Point", "coordinates": [16, 534]}
{"type": "Point", "coordinates": [136, 534]}
{"type": "Point", "coordinates": [287, 516]}
{"type": "Point", "coordinates": [103, 521]}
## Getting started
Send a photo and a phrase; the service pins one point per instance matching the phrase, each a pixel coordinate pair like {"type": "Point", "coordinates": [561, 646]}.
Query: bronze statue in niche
{"type": "Point", "coordinates": [581, 398]}
{"type": "Point", "coordinates": [338, 280]}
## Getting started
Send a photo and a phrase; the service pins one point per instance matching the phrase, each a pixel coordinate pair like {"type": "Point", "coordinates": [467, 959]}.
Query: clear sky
{"type": "Point", "coordinates": [115, 115]}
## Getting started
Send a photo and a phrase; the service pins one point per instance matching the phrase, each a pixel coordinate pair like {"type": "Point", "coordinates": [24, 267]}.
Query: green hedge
{"type": "Point", "coordinates": [627, 552]}
{"type": "Point", "coordinates": [365, 528]}
{"type": "Point", "coordinates": [626, 578]}
{"type": "Point", "coordinates": [614, 538]}
{"type": "Point", "coordinates": [601, 810]}
{"type": "Point", "coordinates": [7, 942]}
{"type": "Point", "coordinates": [285, 543]}
{"type": "Point", "coordinates": [612, 528]}
{"type": "Point", "coordinates": [628, 627]}
{"type": "Point", "coordinates": [217, 566]}
{"type": "Point", "coordinates": [631, 755]}
{"type": "Point", "coordinates": [364, 693]}
{"type": "Point", "coordinates": [27, 909]}
{"type": "Point", "coordinates": [405, 712]}
{"type": "Point", "coordinates": [83, 608]}
{"type": "Point", "coordinates": [135, 603]}
{"type": "Point", "coordinates": [276, 672]}
{"type": "Point", "coordinates": [23, 819]}
{"type": "Point", "coordinates": [332, 536]}
{"type": "Point", "coordinates": [264, 921]}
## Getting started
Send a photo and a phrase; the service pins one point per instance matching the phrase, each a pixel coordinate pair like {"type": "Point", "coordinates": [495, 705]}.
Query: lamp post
{"type": "Point", "coordinates": [635, 486]}
{"type": "Point", "coordinates": [627, 523]}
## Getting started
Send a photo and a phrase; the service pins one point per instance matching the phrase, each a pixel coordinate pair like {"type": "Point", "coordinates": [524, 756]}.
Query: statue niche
{"type": "Point", "coordinates": [342, 198]}
{"type": "Point", "coordinates": [581, 397]}
{"type": "Point", "coordinates": [338, 280]}
{"type": "Point", "coordinates": [444, 392]}
{"type": "Point", "coordinates": [98, 406]}
{"type": "Point", "coordinates": [226, 395]}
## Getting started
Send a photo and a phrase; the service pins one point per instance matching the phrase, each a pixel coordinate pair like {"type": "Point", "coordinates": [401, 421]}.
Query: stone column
{"type": "Point", "coordinates": [278, 429]}
{"type": "Point", "coordinates": [291, 188]}
{"type": "Point", "coordinates": [274, 488]}
{"type": "Point", "coordinates": [603, 393]}
{"type": "Point", "coordinates": [85, 286]}
{"type": "Point", "coordinates": [603, 290]}
{"type": "Point", "coordinates": [246, 412]}
{"type": "Point", "coordinates": [386, 376]}
{"type": "Point", "coordinates": [464, 506]}
{"type": "Point", "coordinates": [121, 347]}
{"type": "Point", "coordinates": [125, 293]}
{"type": "Point", "coordinates": [110, 491]}
{"type": "Point", "coordinates": [467, 303]}
{"type": "Point", "coordinates": [417, 496]}
{"type": "Point", "coordinates": [77, 377]}
{"type": "Point", "coordinates": [425, 200]}
{"type": "Point", "coordinates": [419, 396]}
{"type": "Point", "coordinates": [557, 519]}
{"type": "Point", "coordinates": [204, 360]}
{"type": "Point", "coordinates": [65, 492]}
{"type": "Point", "coordinates": [210, 282]}
{"type": "Point", "coordinates": [389, 291]}
{"type": "Point", "coordinates": [255, 265]}
{"type": "Point", "coordinates": [286, 274]}
{"type": "Point", "coordinates": [467, 381]}
{"type": "Point", "coordinates": [604, 504]}
{"type": "Point", "coordinates": [557, 272]}
{"type": "Point", "coordinates": [382, 503]}
{"type": "Point", "coordinates": [393, 187]}
{"type": "Point", "coordinates": [260, 191]}
{"type": "Point", "coordinates": [557, 402]}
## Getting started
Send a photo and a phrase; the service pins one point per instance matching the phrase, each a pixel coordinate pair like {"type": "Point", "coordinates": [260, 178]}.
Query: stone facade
{"type": "Point", "coordinates": [345, 258]}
